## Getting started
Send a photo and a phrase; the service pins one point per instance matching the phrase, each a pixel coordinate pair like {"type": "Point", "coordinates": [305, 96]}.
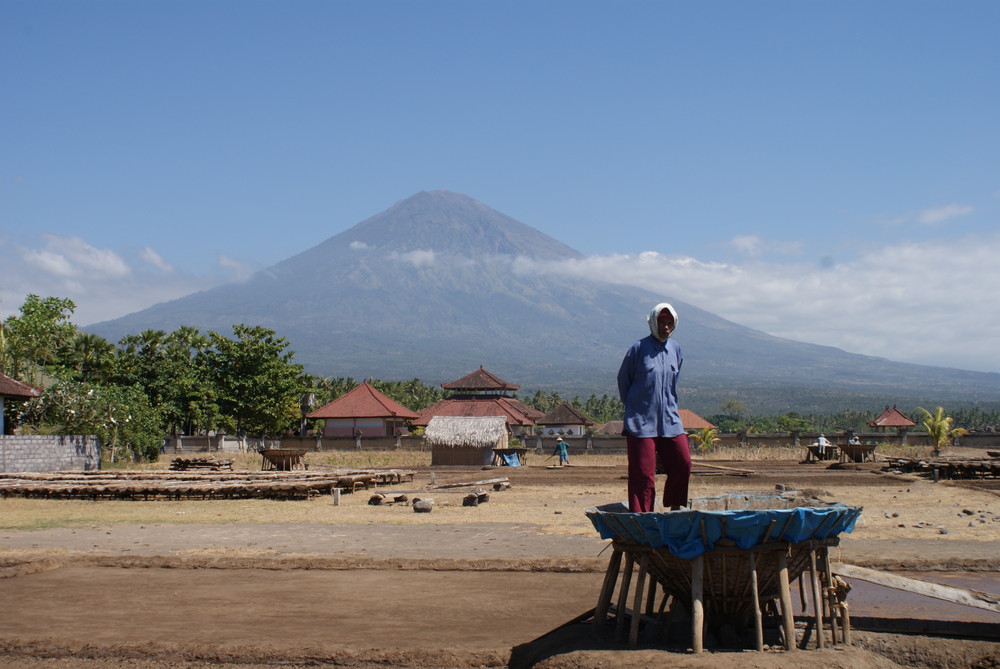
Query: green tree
{"type": "Point", "coordinates": [92, 357]}
{"type": "Point", "coordinates": [121, 416]}
{"type": "Point", "coordinates": [170, 372]}
{"type": "Point", "coordinates": [792, 421]}
{"type": "Point", "coordinates": [705, 438]}
{"type": "Point", "coordinates": [38, 340]}
{"type": "Point", "coordinates": [256, 381]}
{"type": "Point", "coordinates": [939, 428]}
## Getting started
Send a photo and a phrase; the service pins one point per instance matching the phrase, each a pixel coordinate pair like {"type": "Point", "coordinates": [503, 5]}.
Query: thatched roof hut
{"type": "Point", "coordinates": [465, 440]}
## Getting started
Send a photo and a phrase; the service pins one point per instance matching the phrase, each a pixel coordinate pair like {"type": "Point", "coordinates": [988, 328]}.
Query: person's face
{"type": "Point", "coordinates": [664, 324]}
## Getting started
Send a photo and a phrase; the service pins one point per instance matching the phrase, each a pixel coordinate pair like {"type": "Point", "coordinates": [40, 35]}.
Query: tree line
{"type": "Point", "coordinates": [156, 383]}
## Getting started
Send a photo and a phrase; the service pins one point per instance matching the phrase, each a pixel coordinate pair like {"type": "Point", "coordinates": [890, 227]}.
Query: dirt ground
{"type": "Point", "coordinates": [496, 585]}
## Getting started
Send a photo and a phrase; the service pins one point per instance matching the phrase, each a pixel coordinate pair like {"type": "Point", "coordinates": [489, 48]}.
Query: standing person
{"type": "Point", "coordinates": [647, 386]}
{"type": "Point", "coordinates": [562, 450]}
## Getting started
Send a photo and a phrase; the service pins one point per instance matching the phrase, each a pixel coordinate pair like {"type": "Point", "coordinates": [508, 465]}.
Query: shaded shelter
{"type": "Point", "coordinates": [481, 394]}
{"type": "Point", "coordinates": [13, 390]}
{"type": "Point", "coordinates": [365, 411]}
{"type": "Point", "coordinates": [466, 440]}
{"type": "Point", "coordinates": [893, 418]}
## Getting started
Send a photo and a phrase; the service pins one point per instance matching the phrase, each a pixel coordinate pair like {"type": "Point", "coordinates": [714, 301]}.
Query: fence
{"type": "Point", "coordinates": [49, 452]}
{"type": "Point", "coordinates": [592, 443]}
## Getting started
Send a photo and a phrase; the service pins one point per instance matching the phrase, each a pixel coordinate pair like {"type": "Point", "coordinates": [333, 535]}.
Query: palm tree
{"type": "Point", "coordinates": [92, 355]}
{"type": "Point", "coordinates": [705, 438]}
{"type": "Point", "coordinates": [939, 428]}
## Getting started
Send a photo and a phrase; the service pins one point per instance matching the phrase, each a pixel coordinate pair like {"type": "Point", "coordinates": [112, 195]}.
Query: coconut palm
{"type": "Point", "coordinates": [705, 438]}
{"type": "Point", "coordinates": [939, 428]}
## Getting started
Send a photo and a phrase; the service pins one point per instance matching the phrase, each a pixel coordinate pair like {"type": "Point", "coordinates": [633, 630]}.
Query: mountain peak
{"type": "Point", "coordinates": [449, 222]}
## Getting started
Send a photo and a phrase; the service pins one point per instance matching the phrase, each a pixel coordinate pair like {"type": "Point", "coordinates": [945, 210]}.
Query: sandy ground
{"type": "Point", "coordinates": [494, 585]}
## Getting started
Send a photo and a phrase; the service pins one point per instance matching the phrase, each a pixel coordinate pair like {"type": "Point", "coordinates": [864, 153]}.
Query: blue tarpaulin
{"type": "Point", "coordinates": [682, 533]}
{"type": "Point", "coordinates": [511, 459]}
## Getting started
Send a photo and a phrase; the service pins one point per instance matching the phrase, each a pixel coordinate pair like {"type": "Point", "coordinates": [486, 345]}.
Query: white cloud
{"type": "Point", "coordinates": [357, 245]}
{"type": "Point", "coordinates": [418, 258]}
{"type": "Point", "coordinates": [100, 282]}
{"type": "Point", "coordinates": [753, 246]}
{"type": "Point", "coordinates": [941, 214]}
{"type": "Point", "coordinates": [72, 257]}
{"type": "Point", "coordinates": [151, 257]}
{"type": "Point", "coordinates": [86, 259]}
{"type": "Point", "coordinates": [748, 245]}
{"type": "Point", "coordinates": [921, 302]}
{"type": "Point", "coordinates": [239, 270]}
{"type": "Point", "coordinates": [49, 262]}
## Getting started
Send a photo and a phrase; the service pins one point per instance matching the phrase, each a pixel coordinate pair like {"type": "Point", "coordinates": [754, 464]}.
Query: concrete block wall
{"type": "Point", "coordinates": [49, 453]}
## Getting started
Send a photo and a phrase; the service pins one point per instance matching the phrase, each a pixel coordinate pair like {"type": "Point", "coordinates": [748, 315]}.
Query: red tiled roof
{"type": "Point", "coordinates": [363, 402]}
{"type": "Point", "coordinates": [514, 411]}
{"type": "Point", "coordinates": [480, 380]}
{"type": "Point", "coordinates": [564, 414]}
{"type": "Point", "coordinates": [689, 419]}
{"type": "Point", "coordinates": [692, 421]}
{"type": "Point", "coordinates": [611, 427]}
{"type": "Point", "coordinates": [11, 388]}
{"type": "Point", "coordinates": [892, 418]}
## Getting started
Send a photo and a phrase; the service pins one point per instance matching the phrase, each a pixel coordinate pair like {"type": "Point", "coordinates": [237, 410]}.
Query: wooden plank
{"type": "Point", "coordinates": [702, 463]}
{"type": "Point", "coordinates": [469, 483]}
{"type": "Point", "coordinates": [974, 598]}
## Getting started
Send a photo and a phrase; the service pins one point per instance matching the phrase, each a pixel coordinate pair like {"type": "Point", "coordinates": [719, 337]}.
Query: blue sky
{"type": "Point", "coordinates": [823, 171]}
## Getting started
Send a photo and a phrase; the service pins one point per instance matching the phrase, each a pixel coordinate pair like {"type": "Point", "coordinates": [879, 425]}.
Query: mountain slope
{"type": "Point", "coordinates": [436, 285]}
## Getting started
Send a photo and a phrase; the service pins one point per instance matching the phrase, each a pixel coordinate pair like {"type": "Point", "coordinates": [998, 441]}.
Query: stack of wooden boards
{"type": "Point", "coordinates": [178, 485]}
{"type": "Point", "coordinates": [948, 468]}
{"type": "Point", "coordinates": [185, 464]}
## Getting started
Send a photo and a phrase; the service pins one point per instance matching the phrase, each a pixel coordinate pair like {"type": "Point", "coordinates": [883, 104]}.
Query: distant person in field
{"type": "Point", "coordinates": [821, 444]}
{"type": "Point", "coordinates": [562, 450]}
{"type": "Point", "coordinates": [647, 386]}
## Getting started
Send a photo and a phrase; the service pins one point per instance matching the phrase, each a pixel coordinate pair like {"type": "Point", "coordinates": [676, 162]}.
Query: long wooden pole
{"type": "Point", "coordinates": [640, 586]}
{"type": "Point", "coordinates": [608, 589]}
{"type": "Point", "coordinates": [817, 599]}
{"type": "Point", "coordinates": [698, 603]}
{"type": "Point", "coordinates": [758, 619]}
{"type": "Point", "coordinates": [980, 600]}
{"type": "Point", "coordinates": [787, 617]}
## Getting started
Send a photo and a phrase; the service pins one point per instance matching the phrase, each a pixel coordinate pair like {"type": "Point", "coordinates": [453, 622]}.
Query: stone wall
{"type": "Point", "coordinates": [49, 453]}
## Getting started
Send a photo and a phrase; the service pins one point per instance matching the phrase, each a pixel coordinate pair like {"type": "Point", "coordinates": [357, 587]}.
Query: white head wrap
{"type": "Point", "coordinates": [655, 313]}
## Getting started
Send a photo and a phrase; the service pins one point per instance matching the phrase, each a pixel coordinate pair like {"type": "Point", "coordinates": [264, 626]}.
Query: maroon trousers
{"type": "Point", "coordinates": [675, 456]}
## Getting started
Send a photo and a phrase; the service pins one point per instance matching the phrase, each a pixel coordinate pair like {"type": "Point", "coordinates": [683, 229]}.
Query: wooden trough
{"type": "Point", "coordinates": [727, 564]}
{"type": "Point", "coordinates": [282, 459]}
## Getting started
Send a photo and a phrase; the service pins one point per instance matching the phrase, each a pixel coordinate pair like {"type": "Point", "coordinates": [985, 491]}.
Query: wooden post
{"type": "Point", "coordinates": [651, 597]}
{"type": "Point", "coordinates": [608, 589]}
{"type": "Point", "coordinates": [817, 599]}
{"type": "Point", "coordinates": [833, 610]}
{"type": "Point", "coordinates": [758, 620]}
{"type": "Point", "coordinates": [640, 587]}
{"type": "Point", "coordinates": [623, 596]}
{"type": "Point", "coordinates": [698, 603]}
{"type": "Point", "coordinates": [787, 617]}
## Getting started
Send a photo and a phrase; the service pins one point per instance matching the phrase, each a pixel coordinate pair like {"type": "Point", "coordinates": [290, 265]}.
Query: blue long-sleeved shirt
{"type": "Point", "coordinates": [647, 386]}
